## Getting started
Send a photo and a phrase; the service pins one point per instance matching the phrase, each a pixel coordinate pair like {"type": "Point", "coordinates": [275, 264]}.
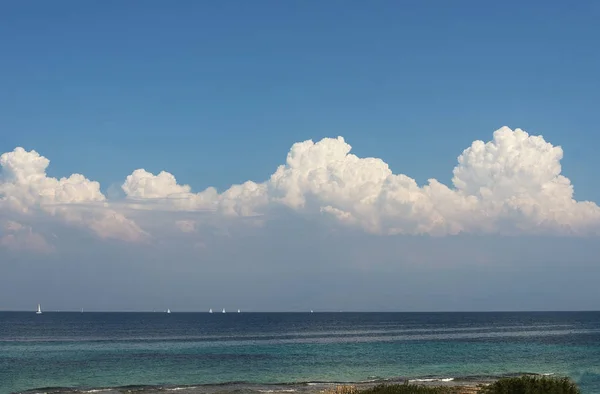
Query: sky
{"type": "Point", "coordinates": [288, 156]}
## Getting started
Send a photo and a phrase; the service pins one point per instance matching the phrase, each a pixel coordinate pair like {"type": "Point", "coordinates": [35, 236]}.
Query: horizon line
{"type": "Point", "coordinates": [234, 311]}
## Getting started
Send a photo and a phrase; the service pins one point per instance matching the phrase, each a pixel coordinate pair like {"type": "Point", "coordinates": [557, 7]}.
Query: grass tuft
{"type": "Point", "coordinates": [342, 389]}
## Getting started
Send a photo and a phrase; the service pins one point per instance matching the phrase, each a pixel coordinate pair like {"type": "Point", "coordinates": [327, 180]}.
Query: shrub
{"type": "Point", "coordinates": [532, 385]}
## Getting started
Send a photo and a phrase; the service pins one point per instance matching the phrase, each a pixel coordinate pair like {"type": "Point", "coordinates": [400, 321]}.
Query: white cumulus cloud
{"type": "Point", "coordinates": [24, 183]}
{"type": "Point", "coordinates": [509, 185]}
{"type": "Point", "coordinates": [25, 188]}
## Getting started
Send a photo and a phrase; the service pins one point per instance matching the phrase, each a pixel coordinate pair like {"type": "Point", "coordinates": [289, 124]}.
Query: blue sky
{"type": "Point", "coordinates": [217, 93]}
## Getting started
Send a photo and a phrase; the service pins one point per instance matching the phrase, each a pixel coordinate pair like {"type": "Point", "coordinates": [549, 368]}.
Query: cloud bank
{"type": "Point", "coordinates": [509, 185]}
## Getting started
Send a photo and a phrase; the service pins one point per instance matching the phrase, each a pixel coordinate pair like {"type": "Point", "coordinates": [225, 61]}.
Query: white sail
{"type": "Point", "coordinates": [168, 310]}
{"type": "Point", "coordinates": [239, 311]}
{"type": "Point", "coordinates": [223, 310]}
{"type": "Point", "coordinates": [210, 310]}
{"type": "Point", "coordinates": [39, 311]}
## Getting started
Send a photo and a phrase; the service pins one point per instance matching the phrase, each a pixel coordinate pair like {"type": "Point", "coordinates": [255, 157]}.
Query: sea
{"type": "Point", "coordinates": [97, 352]}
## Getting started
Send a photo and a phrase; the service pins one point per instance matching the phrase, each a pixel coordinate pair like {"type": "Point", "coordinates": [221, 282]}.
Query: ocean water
{"type": "Point", "coordinates": [287, 352]}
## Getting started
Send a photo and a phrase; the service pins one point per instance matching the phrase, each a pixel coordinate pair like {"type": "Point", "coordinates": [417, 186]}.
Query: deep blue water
{"type": "Point", "coordinates": [99, 350]}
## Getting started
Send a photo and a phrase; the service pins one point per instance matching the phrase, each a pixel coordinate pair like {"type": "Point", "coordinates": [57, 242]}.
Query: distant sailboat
{"type": "Point", "coordinates": [210, 310]}
{"type": "Point", "coordinates": [239, 311]}
{"type": "Point", "coordinates": [311, 311]}
{"type": "Point", "coordinates": [168, 310]}
{"type": "Point", "coordinates": [39, 311]}
{"type": "Point", "coordinates": [223, 310]}
{"type": "Point", "coordinates": [81, 310]}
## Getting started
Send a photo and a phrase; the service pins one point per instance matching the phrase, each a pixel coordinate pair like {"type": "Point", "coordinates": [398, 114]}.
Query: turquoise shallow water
{"type": "Point", "coordinates": [161, 351]}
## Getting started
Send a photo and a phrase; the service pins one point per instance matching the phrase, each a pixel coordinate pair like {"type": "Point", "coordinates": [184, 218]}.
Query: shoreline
{"type": "Point", "coordinates": [466, 384]}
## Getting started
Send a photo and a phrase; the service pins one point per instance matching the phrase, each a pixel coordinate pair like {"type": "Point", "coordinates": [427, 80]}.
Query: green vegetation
{"type": "Point", "coordinates": [396, 389]}
{"type": "Point", "coordinates": [519, 385]}
{"type": "Point", "coordinates": [410, 389]}
{"type": "Point", "coordinates": [532, 385]}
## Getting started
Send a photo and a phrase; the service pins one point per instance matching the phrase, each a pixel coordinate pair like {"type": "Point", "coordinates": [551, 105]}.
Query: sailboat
{"type": "Point", "coordinates": [168, 310]}
{"type": "Point", "coordinates": [223, 310]}
{"type": "Point", "coordinates": [39, 311]}
{"type": "Point", "coordinates": [239, 311]}
{"type": "Point", "coordinates": [210, 310]}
